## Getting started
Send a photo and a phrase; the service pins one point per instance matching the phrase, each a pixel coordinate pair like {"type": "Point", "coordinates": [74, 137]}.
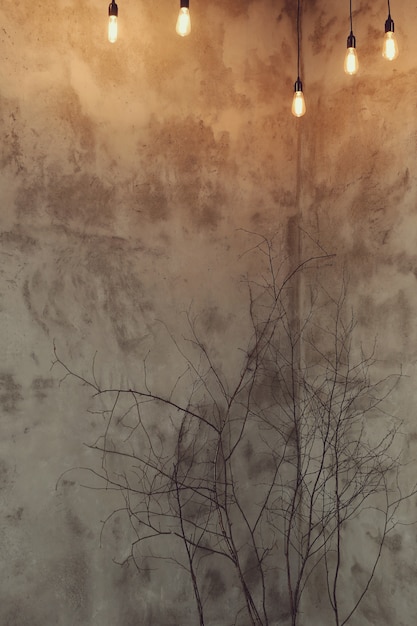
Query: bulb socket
{"type": "Point", "coordinates": [389, 25]}
{"type": "Point", "coordinates": [184, 4]}
{"type": "Point", "coordinates": [298, 85]}
{"type": "Point", "coordinates": [113, 9]}
{"type": "Point", "coordinates": [351, 41]}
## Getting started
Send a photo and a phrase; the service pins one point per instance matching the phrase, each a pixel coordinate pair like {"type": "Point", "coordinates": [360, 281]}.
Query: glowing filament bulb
{"type": "Point", "coordinates": [351, 64]}
{"type": "Point", "coordinates": [112, 30]}
{"type": "Point", "coordinates": [390, 47]}
{"type": "Point", "coordinates": [298, 103]}
{"type": "Point", "coordinates": [351, 61]}
{"type": "Point", "coordinates": [183, 27]}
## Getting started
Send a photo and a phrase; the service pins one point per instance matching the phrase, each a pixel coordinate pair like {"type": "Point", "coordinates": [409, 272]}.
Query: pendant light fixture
{"type": "Point", "coordinates": [351, 64]}
{"type": "Point", "coordinates": [298, 103]}
{"type": "Point", "coordinates": [112, 30]}
{"type": "Point", "coordinates": [183, 27]}
{"type": "Point", "coordinates": [390, 47]}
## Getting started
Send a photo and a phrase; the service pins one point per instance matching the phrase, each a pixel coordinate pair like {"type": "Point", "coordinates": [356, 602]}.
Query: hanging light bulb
{"type": "Point", "coordinates": [183, 27]}
{"type": "Point", "coordinates": [390, 47]}
{"type": "Point", "coordinates": [112, 30]}
{"type": "Point", "coordinates": [298, 107]}
{"type": "Point", "coordinates": [351, 64]}
{"type": "Point", "coordinates": [298, 103]}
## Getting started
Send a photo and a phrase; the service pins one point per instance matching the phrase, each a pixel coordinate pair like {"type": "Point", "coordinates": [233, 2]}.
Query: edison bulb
{"type": "Point", "coordinates": [183, 27]}
{"type": "Point", "coordinates": [351, 64]}
{"type": "Point", "coordinates": [112, 32]}
{"type": "Point", "coordinates": [298, 104]}
{"type": "Point", "coordinates": [390, 47]}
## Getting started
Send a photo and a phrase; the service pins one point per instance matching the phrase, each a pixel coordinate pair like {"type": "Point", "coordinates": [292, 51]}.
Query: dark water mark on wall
{"type": "Point", "coordinates": [214, 582]}
{"type": "Point", "coordinates": [16, 516]}
{"type": "Point", "coordinates": [91, 279]}
{"type": "Point", "coordinates": [41, 386]}
{"type": "Point", "coordinates": [31, 308]}
{"type": "Point", "coordinates": [10, 392]}
{"type": "Point", "coordinates": [6, 475]}
{"type": "Point", "coordinates": [76, 527]}
{"type": "Point", "coordinates": [80, 198]}
{"type": "Point", "coordinates": [199, 166]}
{"type": "Point", "coordinates": [15, 239]}
{"type": "Point", "coordinates": [394, 542]}
{"type": "Point", "coordinates": [213, 320]}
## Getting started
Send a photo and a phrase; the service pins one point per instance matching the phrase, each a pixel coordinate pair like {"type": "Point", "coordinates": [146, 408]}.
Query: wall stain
{"type": "Point", "coordinates": [215, 583]}
{"type": "Point", "coordinates": [20, 240]}
{"type": "Point", "coordinates": [396, 307]}
{"type": "Point", "coordinates": [79, 199]}
{"type": "Point", "coordinates": [322, 24]}
{"type": "Point", "coordinates": [10, 392]}
{"type": "Point", "coordinates": [87, 283]}
{"type": "Point", "coordinates": [76, 526]}
{"type": "Point", "coordinates": [67, 109]}
{"type": "Point", "coordinates": [151, 197]}
{"type": "Point", "coordinates": [183, 169]}
{"type": "Point", "coordinates": [213, 320]}
{"type": "Point", "coordinates": [16, 516]}
{"type": "Point", "coordinates": [265, 77]}
{"type": "Point", "coordinates": [278, 604]}
{"type": "Point", "coordinates": [235, 8]}
{"type": "Point", "coordinates": [41, 386]}
{"type": "Point", "coordinates": [6, 479]}
{"type": "Point", "coordinates": [26, 292]}
{"type": "Point", "coordinates": [394, 542]}
{"type": "Point", "coordinates": [12, 153]}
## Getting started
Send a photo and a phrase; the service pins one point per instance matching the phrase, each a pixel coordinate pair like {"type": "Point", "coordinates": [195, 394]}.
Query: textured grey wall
{"type": "Point", "coordinates": [128, 175]}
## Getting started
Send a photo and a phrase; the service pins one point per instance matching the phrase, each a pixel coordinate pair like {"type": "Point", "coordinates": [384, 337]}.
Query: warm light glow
{"type": "Point", "coordinates": [113, 12]}
{"type": "Point", "coordinates": [112, 28]}
{"type": "Point", "coordinates": [298, 104]}
{"type": "Point", "coordinates": [351, 65]}
{"type": "Point", "coordinates": [183, 22]}
{"type": "Point", "coordinates": [390, 47]}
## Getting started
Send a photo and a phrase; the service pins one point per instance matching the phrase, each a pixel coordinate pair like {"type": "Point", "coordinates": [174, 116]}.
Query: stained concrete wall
{"type": "Point", "coordinates": [129, 175]}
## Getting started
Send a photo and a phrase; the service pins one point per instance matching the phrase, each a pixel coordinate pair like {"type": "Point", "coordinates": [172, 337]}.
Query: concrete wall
{"type": "Point", "coordinates": [129, 174]}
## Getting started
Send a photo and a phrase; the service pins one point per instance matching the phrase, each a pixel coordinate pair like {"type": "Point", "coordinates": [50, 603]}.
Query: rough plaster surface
{"type": "Point", "coordinates": [128, 175]}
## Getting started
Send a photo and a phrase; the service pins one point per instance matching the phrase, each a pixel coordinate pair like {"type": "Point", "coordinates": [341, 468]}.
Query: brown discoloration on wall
{"type": "Point", "coordinates": [12, 152]}
{"type": "Point", "coordinates": [191, 165]}
{"type": "Point", "coordinates": [235, 8]}
{"type": "Point", "coordinates": [322, 24]}
{"type": "Point", "coordinates": [88, 202]}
